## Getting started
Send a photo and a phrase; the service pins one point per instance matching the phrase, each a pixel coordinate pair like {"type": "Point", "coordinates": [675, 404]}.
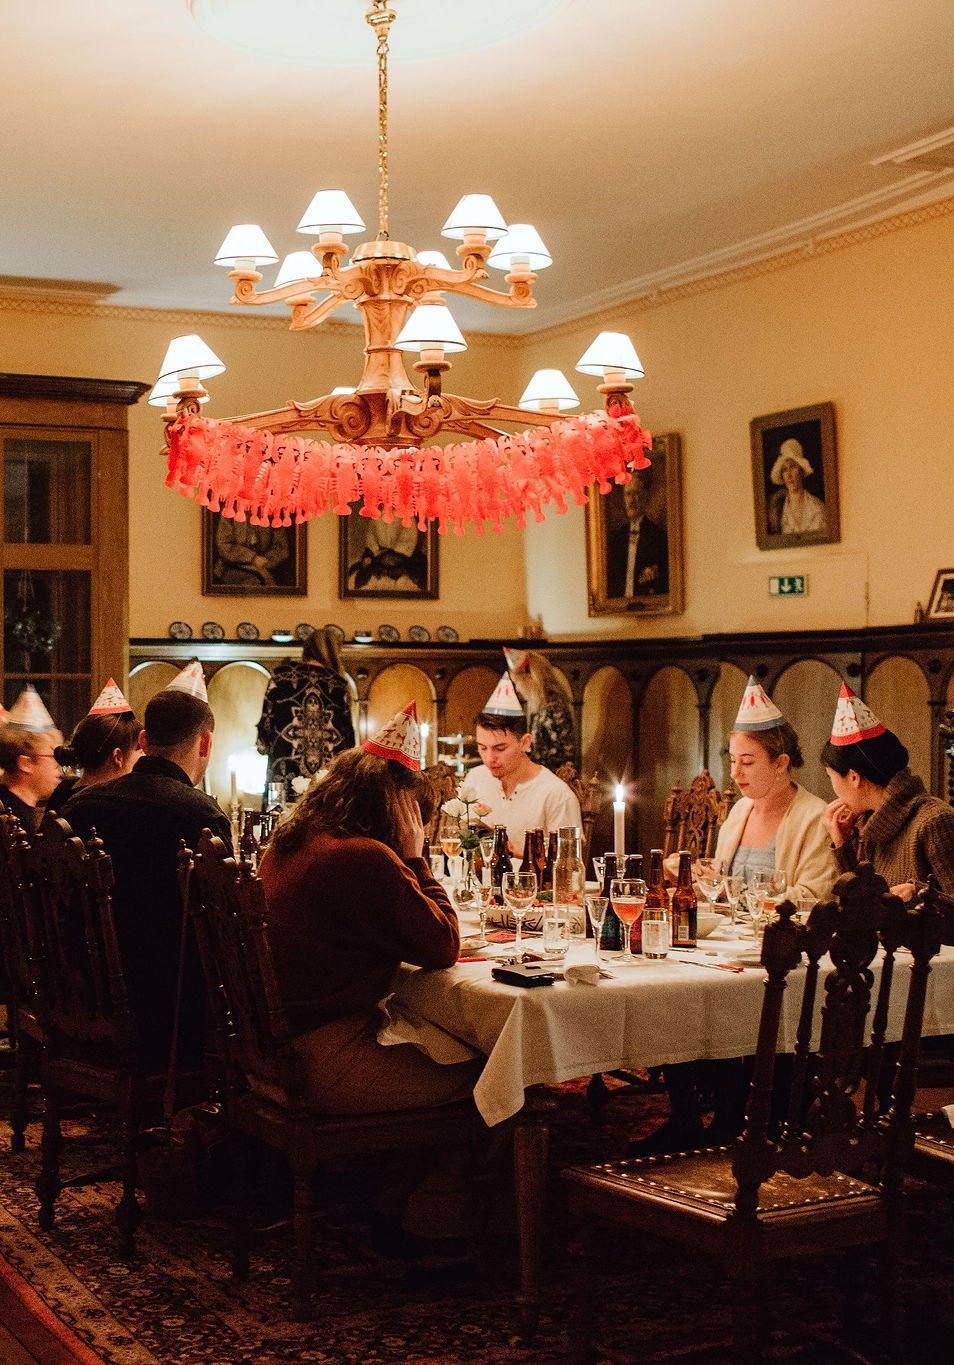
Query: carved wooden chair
{"type": "Point", "coordinates": [264, 1087]}
{"type": "Point", "coordinates": [90, 1033]}
{"type": "Point", "coordinates": [829, 1179]}
{"type": "Point", "coordinates": [585, 792]}
{"type": "Point", "coordinates": [22, 1022]}
{"type": "Point", "coordinates": [442, 780]}
{"type": "Point", "coordinates": [693, 816]}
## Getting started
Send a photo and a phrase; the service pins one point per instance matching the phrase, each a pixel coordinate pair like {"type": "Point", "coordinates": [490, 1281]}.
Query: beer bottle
{"type": "Point", "coordinates": [526, 863]}
{"type": "Point", "coordinates": [611, 939]}
{"type": "Point", "coordinates": [657, 895]}
{"type": "Point", "coordinates": [569, 879]}
{"type": "Point", "coordinates": [499, 862]}
{"type": "Point", "coordinates": [547, 884]}
{"type": "Point", "coordinates": [684, 908]}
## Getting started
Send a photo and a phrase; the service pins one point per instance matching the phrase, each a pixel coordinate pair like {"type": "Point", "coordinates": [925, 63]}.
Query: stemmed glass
{"type": "Point", "coordinates": [711, 880]}
{"type": "Point", "coordinates": [596, 909]}
{"type": "Point", "coordinates": [450, 840]}
{"type": "Point", "coordinates": [599, 867]}
{"type": "Point", "coordinates": [628, 896]}
{"type": "Point", "coordinates": [734, 891]}
{"type": "Point", "coordinates": [519, 892]}
{"type": "Point", "coordinates": [486, 894]}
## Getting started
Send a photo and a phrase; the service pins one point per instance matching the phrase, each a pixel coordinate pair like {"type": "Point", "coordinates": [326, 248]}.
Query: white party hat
{"type": "Point", "coordinates": [399, 739]}
{"type": "Point", "coordinates": [110, 701]}
{"type": "Point", "coordinates": [518, 660]}
{"type": "Point", "coordinates": [29, 713]}
{"type": "Point", "coordinates": [503, 701]}
{"type": "Point", "coordinates": [854, 721]}
{"type": "Point", "coordinates": [191, 680]}
{"type": "Point", "coordinates": [758, 711]}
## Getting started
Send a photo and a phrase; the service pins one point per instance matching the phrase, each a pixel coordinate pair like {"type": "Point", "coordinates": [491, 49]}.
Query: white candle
{"type": "Point", "coordinates": [619, 823]}
{"type": "Point", "coordinates": [234, 788]}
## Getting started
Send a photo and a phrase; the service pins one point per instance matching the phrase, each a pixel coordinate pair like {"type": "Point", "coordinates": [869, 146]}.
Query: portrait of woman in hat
{"type": "Point", "coordinates": [793, 510]}
{"type": "Point", "coordinates": [795, 477]}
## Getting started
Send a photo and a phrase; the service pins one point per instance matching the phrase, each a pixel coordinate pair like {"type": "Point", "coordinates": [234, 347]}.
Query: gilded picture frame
{"type": "Point", "coordinates": [795, 478]}
{"type": "Point", "coordinates": [634, 539]}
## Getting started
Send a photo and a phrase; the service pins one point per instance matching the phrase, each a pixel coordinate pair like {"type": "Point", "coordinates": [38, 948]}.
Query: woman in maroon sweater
{"type": "Point", "coordinates": [350, 898]}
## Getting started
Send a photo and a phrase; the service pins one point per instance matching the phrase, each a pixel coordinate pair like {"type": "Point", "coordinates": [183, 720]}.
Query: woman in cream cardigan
{"type": "Point", "coordinates": [775, 823]}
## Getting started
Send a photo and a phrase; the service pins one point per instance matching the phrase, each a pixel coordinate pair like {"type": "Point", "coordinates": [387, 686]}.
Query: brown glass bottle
{"type": "Point", "coordinates": [539, 857]}
{"type": "Point", "coordinates": [547, 884]}
{"type": "Point", "coordinates": [684, 907]}
{"type": "Point", "coordinates": [657, 895]}
{"type": "Point", "coordinates": [499, 862]}
{"type": "Point", "coordinates": [611, 939]}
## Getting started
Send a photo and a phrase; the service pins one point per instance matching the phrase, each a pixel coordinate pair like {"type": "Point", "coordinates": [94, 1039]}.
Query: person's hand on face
{"type": "Point", "coordinates": [410, 828]}
{"type": "Point", "coordinates": [840, 821]}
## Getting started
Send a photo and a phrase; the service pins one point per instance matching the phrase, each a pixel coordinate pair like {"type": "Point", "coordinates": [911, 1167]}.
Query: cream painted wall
{"type": "Point", "coordinates": [870, 327]}
{"type": "Point", "coordinates": [482, 582]}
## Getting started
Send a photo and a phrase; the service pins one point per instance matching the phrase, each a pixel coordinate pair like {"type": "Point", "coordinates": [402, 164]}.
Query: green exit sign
{"type": "Point", "coordinates": [788, 585]}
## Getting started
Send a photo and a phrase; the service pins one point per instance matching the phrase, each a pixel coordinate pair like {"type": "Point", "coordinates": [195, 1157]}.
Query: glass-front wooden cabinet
{"type": "Point", "coordinates": [64, 551]}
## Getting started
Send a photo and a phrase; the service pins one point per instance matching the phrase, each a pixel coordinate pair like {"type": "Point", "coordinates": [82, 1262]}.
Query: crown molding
{"type": "Point", "coordinates": [936, 151]}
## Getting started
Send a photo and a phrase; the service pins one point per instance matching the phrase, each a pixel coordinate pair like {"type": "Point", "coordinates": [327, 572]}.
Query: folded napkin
{"type": "Point", "coordinates": [582, 974]}
{"type": "Point", "coordinates": [500, 915]}
{"type": "Point", "coordinates": [948, 1111]}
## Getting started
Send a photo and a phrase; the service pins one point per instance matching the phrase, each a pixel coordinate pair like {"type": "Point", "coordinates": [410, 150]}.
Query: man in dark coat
{"type": "Point", "coordinates": [141, 818]}
{"type": "Point", "coordinates": [637, 554]}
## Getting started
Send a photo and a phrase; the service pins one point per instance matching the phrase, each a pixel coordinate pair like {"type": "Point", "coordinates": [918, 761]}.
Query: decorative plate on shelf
{"type": "Point", "coordinates": [211, 630]}
{"type": "Point", "coordinates": [246, 630]}
{"type": "Point", "coordinates": [304, 631]}
{"type": "Point", "coordinates": [180, 630]}
{"type": "Point", "coordinates": [419, 634]}
{"type": "Point", "coordinates": [447, 635]}
{"type": "Point", "coordinates": [388, 634]}
{"type": "Point", "coordinates": [337, 632]}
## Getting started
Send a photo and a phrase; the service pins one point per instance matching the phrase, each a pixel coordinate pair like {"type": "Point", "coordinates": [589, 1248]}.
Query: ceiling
{"type": "Point", "coordinates": [646, 139]}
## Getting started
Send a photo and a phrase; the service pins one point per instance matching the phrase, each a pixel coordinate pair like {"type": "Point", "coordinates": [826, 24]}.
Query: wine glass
{"type": "Point", "coordinates": [759, 899]}
{"type": "Point", "coordinates": [599, 867]}
{"type": "Point", "coordinates": [734, 891]}
{"type": "Point", "coordinates": [450, 840]}
{"type": "Point", "coordinates": [486, 850]}
{"type": "Point", "coordinates": [519, 892]}
{"type": "Point", "coordinates": [486, 895]}
{"type": "Point", "coordinates": [628, 895]}
{"type": "Point", "coordinates": [710, 880]}
{"type": "Point", "coordinates": [596, 909]}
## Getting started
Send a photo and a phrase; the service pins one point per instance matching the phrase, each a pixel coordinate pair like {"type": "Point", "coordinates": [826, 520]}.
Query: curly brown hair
{"type": "Point", "coordinates": [356, 797]}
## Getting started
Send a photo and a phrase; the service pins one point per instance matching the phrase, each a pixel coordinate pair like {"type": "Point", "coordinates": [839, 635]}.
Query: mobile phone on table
{"type": "Point", "coordinates": [525, 974]}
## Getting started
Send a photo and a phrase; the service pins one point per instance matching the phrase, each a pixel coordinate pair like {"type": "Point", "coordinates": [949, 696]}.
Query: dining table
{"type": "Point", "coordinates": [700, 1003]}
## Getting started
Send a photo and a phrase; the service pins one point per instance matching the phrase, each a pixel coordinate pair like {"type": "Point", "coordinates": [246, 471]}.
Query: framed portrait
{"type": "Point", "coordinates": [241, 560]}
{"type": "Point", "coordinates": [386, 559]}
{"type": "Point", "coordinates": [634, 539]}
{"type": "Point", "coordinates": [795, 478]}
{"type": "Point", "coordinates": [941, 602]}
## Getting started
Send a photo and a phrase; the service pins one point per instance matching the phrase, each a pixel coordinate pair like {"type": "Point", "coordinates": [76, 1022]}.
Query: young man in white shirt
{"type": "Point", "coordinates": [520, 793]}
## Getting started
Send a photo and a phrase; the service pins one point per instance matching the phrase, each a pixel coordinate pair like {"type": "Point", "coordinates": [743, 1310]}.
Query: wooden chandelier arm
{"type": "Point", "coordinates": [306, 315]}
{"type": "Point", "coordinates": [520, 295]}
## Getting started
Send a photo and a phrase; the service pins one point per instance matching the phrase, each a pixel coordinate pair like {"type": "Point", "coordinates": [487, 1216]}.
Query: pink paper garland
{"type": "Point", "coordinates": [276, 480]}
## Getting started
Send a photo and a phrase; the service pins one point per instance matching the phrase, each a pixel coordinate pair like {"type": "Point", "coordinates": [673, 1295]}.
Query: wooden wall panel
{"type": "Point", "coordinates": [806, 694]}
{"type": "Point", "coordinates": [668, 748]}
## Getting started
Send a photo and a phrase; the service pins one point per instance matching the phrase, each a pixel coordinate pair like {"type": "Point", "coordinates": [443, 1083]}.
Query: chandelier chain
{"type": "Point", "coordinates": [380, 16]}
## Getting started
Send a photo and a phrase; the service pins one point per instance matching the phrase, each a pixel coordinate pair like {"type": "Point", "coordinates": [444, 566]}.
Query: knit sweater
{"type": "Point", "coordinates": [908, 838]}
{"type": "Point", "coordinates": [343, 913]}
{"type": "Point", "coordinates": [802, 846]}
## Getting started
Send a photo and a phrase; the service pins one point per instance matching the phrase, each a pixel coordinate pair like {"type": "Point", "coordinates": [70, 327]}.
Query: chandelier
{"type": "Point", "coordinates": [368, 445]}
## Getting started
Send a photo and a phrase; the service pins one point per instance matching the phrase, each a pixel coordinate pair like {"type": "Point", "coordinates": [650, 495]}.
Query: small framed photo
{"type": "Point", "coordinates": [941, 603]}
{"type": "Point", "coordinates": [385, 559]}
{"type": "Point", "coordinates": [634, 540]}
{"type": "Point", "coordinates": [242, 560]}
{"type": "Point", "coordinates": [795, 478]}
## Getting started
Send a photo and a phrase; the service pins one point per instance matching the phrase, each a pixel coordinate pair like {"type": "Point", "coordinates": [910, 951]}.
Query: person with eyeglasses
{"type": "Point", "coordinates": [30, 771]}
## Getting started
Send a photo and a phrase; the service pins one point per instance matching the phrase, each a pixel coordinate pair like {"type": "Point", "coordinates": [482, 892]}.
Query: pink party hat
{"type": "Point", "coordinates": [503, 701]}
{"type": "Point", "coordinates": [29, 713]}
{"type": "Point", "coordinates": [399, 739]}
{"type": "Point", "coordinates": [518, 660]}
{"type": "Point", "coordinates": [110, 701]}
{"type": "Point", "coordinates": [758, 711]}
{"type": "Point", "coordinates": [191, 680]}
{"type": "Point", "coordinates": [853, 720]}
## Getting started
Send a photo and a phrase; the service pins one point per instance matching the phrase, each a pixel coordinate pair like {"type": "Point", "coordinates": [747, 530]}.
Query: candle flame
{"type": "Point", "coordinates": [619, 791]}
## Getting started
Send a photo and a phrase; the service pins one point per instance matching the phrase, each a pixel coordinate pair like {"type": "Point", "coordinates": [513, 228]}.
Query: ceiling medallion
{"type": "Point", "coordinates": [374, 450]}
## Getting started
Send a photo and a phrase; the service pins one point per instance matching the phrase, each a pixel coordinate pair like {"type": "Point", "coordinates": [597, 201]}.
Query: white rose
{"type": "Point", "coordinates": [300, 785]}
{"type": "Point", "coordinates": [454, 808]}
{"type": "Point", "coordinates": [467, 792]}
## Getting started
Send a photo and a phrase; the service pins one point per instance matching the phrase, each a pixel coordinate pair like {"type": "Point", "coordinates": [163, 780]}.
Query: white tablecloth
{"type": "Point", "coordinates": [648, 1015]}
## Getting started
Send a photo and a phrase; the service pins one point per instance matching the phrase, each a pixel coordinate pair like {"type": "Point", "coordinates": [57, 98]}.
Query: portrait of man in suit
{"type": "Point", "coordinates": [637, 552]}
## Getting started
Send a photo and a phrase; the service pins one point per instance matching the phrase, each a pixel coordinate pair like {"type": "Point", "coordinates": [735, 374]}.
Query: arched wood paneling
{"type": "Point", "coordinates": [806, 694]}
{"type": "Point", "coordinates": [897, 692]}
{"type": "Point", "coordinates": [467, 692]}
{"type": "Point", "coordinates": [606, 745]}
{"type": "Point", "coordinates": [391, 691]}
{"type": "Point", "coordinates": [668, 748]}
{"type": "Point", "coordinates": [235, 695]}
{"type": "Point", "coordinates": [145, 680]}
{"type": "Point", "coordinates": [726, 699]}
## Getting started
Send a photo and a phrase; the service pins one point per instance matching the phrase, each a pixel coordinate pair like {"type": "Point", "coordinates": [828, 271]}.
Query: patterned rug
{"type": "Point", "coordinates": [175, 1302]}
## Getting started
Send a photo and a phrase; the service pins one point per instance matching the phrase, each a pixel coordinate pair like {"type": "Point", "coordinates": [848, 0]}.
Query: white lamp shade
{"type": "Point", "coordinates": [611, 351]}
{"type": "Point", "coordinates": [246, 242]}
{"type": "Point", "coordinates": [165, 390]}
{"type": "Point", "coordinates": [190, 355]}
{"type": "Point", "coordinates": [342, 389]}
{"type": "Point", "coordinates": [520, 242]}
{"type": "Point", "coordinates": [430, 328]}
{"type": "Point", "coordinates": [296, 267]}
{"type": "Point", "coordinates": [434, 258]}
{"type": "Point", "coordinates": [331, 211]}
{"type": "Point", "coordinates": [475, 213]}
{"type": "Point", "coordinates": [548, 388]}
